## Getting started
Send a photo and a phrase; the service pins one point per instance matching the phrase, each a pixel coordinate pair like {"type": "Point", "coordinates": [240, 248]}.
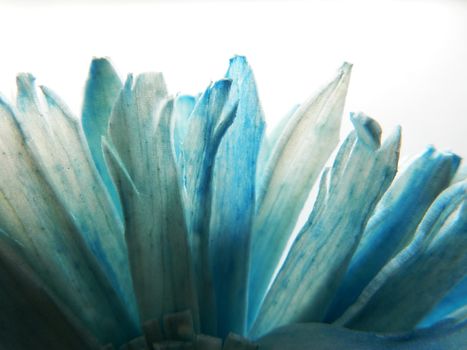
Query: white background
{"type": "Point", "coordinates": [409, 57]}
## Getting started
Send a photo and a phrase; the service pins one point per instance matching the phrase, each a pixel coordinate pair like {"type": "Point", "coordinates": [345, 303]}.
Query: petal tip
{"type": "Point", "coordinates": [368, 129]}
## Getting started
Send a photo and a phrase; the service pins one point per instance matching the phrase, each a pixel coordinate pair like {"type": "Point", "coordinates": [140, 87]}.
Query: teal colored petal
{"type": "Point", "coordinates": [296, 161]}
{"type": "Point", "coordinates": [457, 316]}
{"type": "Point", "coordinates": [453, 301]}
{"type": "Point", "coordinates": [461, 174]}
{"type": "Point", "coordinates": [318, 258]}
{"type": "Point", "coordinates": [321, 336]}
{"type": "Point", "coordinates": [233, 202]}
{"type": "Point", "coordinates": [411, 284]}
{"type": "Point", "coordinates": [31, 317]}
{"type": "Point", "coordinates": [141, 160]}
{"type": "Point", "coordinates": [212, 116]}
{"type": "Point", "coordinates": [50, 227]}
{"type": "Point", "coordinates": [102, 89]}
{"type": "Point", "coordinates": [394, 222]}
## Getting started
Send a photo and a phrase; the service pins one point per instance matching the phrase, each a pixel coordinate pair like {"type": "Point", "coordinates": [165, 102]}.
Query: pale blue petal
{"type": "Point", "coordinates": [321, 336]}
{"type": "Point", "coordinates": [213, 114]}
{"type": "Point", "coordinates": [49, 230]}
{"type": "Point", "coordinates": [141, 159]}
{"type": "Point", "coordinates": [393, 224]}
{"type": "Point", "coordinates": [183, 106]}
{"type": "Point", "coordinates": [296, 161]}
{"type": "Point", "coordinates": [318, 258]}
{"type": "Point", "coordinates": [267, 146]}
{"type": "Point", "coordinates": [233, 202]}
{"type": "Point", "coordinates": [102, 89]}
{"type": "Point", "coordinates": [276, 133]}
{"type": "Point", "coordinates": [411, 284]}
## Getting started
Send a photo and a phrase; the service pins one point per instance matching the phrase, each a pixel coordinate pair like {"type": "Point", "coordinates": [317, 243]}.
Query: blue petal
{"type": "Point", "coordinates": [457, 316]}
{"type": "Point", "coordinates": [294, 165]}
{"type": "Point", "coordinates": [453, 301]}
{"type": "Point", "coordinates": [213, 114]}
{"type": "Point", "coordinates": [141, 159]}
{"type": "Point", "coordinates": [233, 201]}
{"type": "Point", "coordinates": [102, 89]}
{"type": "Point", "coordinates": [394, 222]}
{"type": "Point", "coordinates": [409, 286]}
{"type": "Point", "coordinates": [307, 281]}
{"type": "Point", "coordinates": [320, 336]}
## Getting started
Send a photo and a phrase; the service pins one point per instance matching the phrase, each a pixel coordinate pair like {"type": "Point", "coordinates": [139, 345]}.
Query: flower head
{"type": "Point", "coordinates": [159, 221]}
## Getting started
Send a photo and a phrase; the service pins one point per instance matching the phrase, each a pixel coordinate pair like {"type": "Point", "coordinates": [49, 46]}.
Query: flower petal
{"type": "Point", "coordinates": [307, 281]}
{"type": "Point", "coordinates": [451, 302]}
{"type": "Point", "coordinates": [457, 316]}
{"type": "Point", "coordinates": [394, 222]}
{"type": "Point", "coordinates": [268, 144]}
{"type": "Point", "coordinates": [31, 317]}
{"type": "Point", "coordinates": [102, 89]}
{"type": "Point", "coordinates": [321, 336]}
{"type": "Point", "coordinates": [295, 163]}
{"type": "Point", "coordinates": [213, 114]}
{"type": "Point", "coordinates": [141, 159]}
{"type": "Point", "coordinates": [183, 107]}
{"type": "Point", "coordinates": [461, 174]}
{"type": "Point", "coordinates": [233, 203]}
{"type": "Point", "coordinates": [420, 275]}
{"type": "Point", "coordinates": [33, 210]}
{"type": "Point", "coordinates": [97, 218]}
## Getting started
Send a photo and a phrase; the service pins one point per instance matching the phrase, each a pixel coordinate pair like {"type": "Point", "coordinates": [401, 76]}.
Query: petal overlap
{"type": "Point", "coordinates": [321, 252]}
{"type": "Point", "coordinates": [160, 221]}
